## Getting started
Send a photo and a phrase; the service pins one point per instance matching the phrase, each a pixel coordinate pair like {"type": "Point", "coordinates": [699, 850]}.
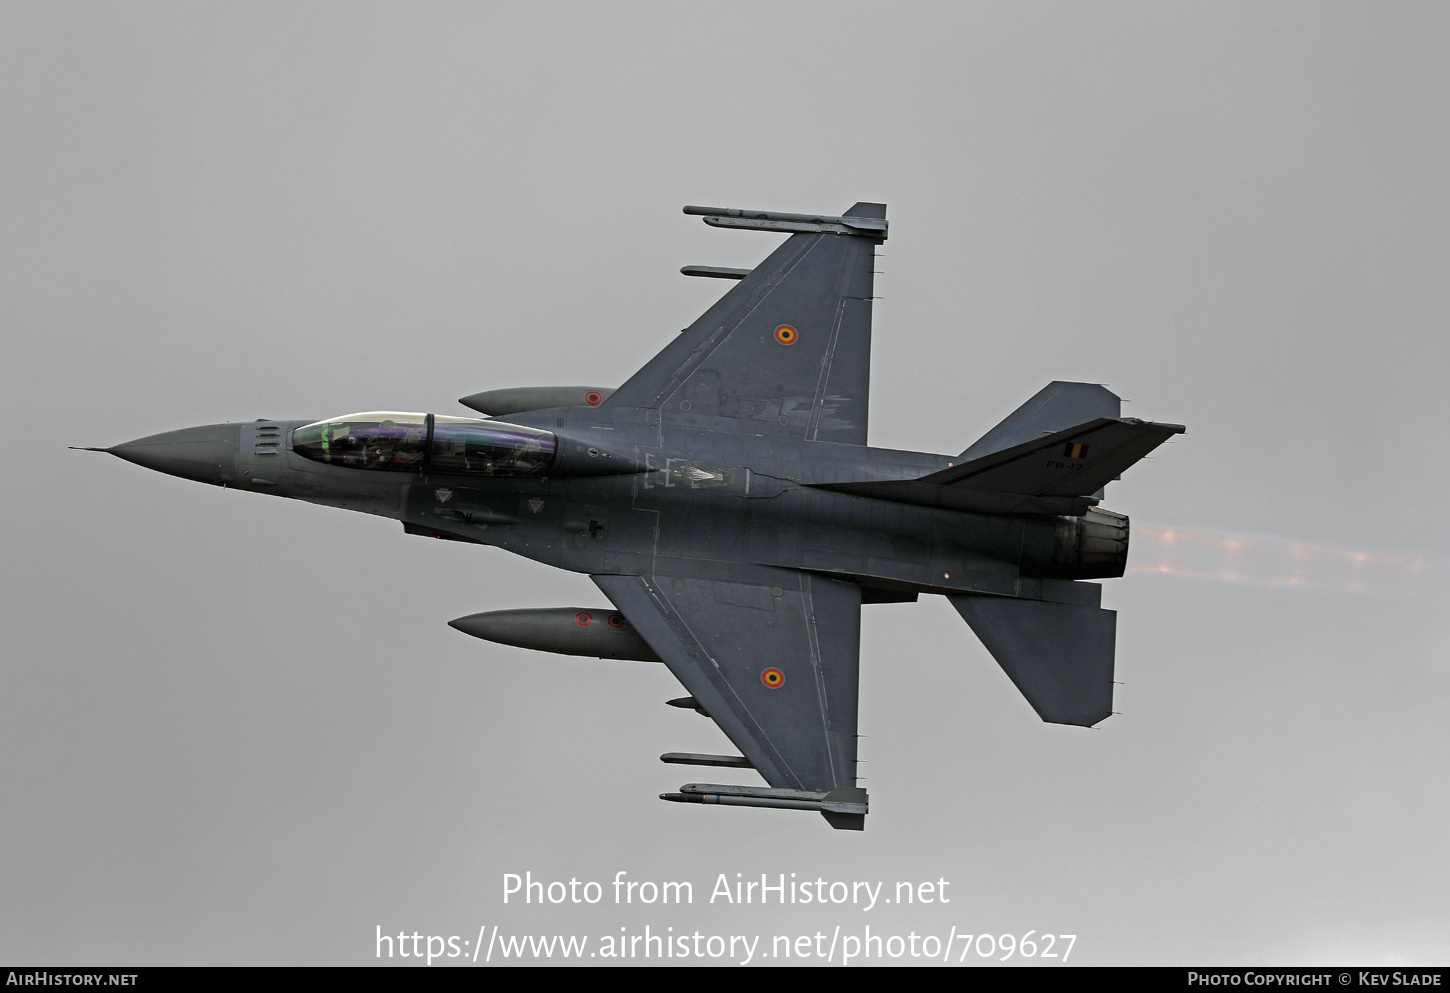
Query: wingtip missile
{"type": "Point", "coordinates": [775, 220]}
{"type": "Point", "coordinates": [700, 758]}
{"type": "Point", "coordinates": [849, 800]}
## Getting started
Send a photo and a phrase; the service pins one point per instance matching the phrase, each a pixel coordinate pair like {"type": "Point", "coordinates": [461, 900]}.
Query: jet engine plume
{"type": "Point", "coordinates": [1265, 560]}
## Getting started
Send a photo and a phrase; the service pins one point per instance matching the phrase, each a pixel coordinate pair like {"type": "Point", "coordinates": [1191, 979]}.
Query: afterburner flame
{"type": "Point", "coordinates": [1269, 561]}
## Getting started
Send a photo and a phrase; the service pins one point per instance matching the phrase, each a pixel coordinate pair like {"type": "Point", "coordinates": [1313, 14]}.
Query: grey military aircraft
{"type": "Point", "coordinates": [726, 503]}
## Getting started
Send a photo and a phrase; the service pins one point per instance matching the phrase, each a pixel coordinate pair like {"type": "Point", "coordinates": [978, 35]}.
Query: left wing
{"type": "Point", "coordinates": [774, 663]}
{"type": "Point", "coordinates": [787, 351]}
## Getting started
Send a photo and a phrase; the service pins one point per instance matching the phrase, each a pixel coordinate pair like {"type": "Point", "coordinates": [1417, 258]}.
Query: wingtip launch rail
{"type": "Point", "coordinates": [863, 225]}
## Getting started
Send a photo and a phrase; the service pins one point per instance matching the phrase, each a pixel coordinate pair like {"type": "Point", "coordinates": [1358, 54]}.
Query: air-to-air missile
{"type": "Point", "coordinates": [725, 501]}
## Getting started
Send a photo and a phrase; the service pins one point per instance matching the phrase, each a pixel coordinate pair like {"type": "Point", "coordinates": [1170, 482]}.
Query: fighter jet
{"type": "Point", "coordinates": [725, 501]}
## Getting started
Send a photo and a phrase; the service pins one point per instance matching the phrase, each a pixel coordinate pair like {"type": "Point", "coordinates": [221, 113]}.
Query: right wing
{"type": "Point", "coordinates": [775, 666]}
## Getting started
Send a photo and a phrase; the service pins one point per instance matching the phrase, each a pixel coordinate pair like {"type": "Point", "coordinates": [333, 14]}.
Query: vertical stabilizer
{"type": "Point", "coordinates": [1056, 407]}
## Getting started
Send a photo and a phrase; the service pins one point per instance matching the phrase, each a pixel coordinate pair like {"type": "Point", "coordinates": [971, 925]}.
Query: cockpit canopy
{"type": "Point", "coordinates": [400, 442]}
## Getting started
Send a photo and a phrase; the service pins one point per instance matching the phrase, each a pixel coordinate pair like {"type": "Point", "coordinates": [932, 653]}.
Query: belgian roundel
{"type": "Point", "coordinates": [773, 678]}
{"type": "Point", "coordinates": [786, 335]}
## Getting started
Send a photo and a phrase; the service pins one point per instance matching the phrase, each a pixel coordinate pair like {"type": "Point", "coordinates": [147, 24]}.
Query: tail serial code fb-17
{"type": "Point", "coordinates": [727, 504]}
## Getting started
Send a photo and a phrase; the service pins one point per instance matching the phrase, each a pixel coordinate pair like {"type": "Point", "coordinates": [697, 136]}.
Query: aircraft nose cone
{"type": "Point", "coordinates": [207, 454]}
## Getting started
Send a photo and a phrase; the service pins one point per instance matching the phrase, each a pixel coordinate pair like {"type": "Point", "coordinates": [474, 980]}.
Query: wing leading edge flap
{"type": "Point", "coordinates": [1059, 655]}
{"type": "Point", "coordinates": [776, 667]}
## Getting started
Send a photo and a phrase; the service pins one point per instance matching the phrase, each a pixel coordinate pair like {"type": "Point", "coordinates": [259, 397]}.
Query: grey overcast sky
{"type": "Point", "coordinates": [235, 729]}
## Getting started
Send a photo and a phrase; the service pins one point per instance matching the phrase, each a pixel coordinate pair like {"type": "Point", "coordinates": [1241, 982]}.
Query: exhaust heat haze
{"type": "Point", "coordinates": [1269, 561]}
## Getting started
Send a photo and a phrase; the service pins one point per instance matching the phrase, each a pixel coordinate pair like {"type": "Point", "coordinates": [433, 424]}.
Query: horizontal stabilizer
{"type": "Point", "coordinates": [1059, 655]}
{"type": "Point", "coordinates": [1056, 407]}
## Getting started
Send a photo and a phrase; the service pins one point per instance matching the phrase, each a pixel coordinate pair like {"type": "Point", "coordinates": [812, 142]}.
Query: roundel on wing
{"type": "Point", "coordinates": [583, 618]}
{"type": "Point", "coordinates": [786, 335]}
{"type": "Point", "coordinates": [593, 398]}
{"type": "Point", "coordinates": [773, 678]}
{"type": "Point", "coordinates": [616, 621]}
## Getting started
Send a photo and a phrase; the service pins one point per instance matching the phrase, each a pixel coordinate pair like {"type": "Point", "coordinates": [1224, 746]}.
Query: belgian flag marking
{"type": "Point", "coordinates": [773, 678]}
{"type": "Point", "coordinates": [786, 335]}
{"type": "Point", "coordinates": [1074, 451]}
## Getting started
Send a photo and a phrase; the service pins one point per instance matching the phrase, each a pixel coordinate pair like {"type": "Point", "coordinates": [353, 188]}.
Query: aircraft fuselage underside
{"type": "Point", "coordinates": [757, 504]}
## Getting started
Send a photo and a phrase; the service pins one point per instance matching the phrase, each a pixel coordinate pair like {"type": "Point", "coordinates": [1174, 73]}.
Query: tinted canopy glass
{"type": "Point", "coordinates": [398, 442]}
{"type": "Point", "coordinates": [377, 439]}
{"type": "Point", "coordinates": [489, 448]}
